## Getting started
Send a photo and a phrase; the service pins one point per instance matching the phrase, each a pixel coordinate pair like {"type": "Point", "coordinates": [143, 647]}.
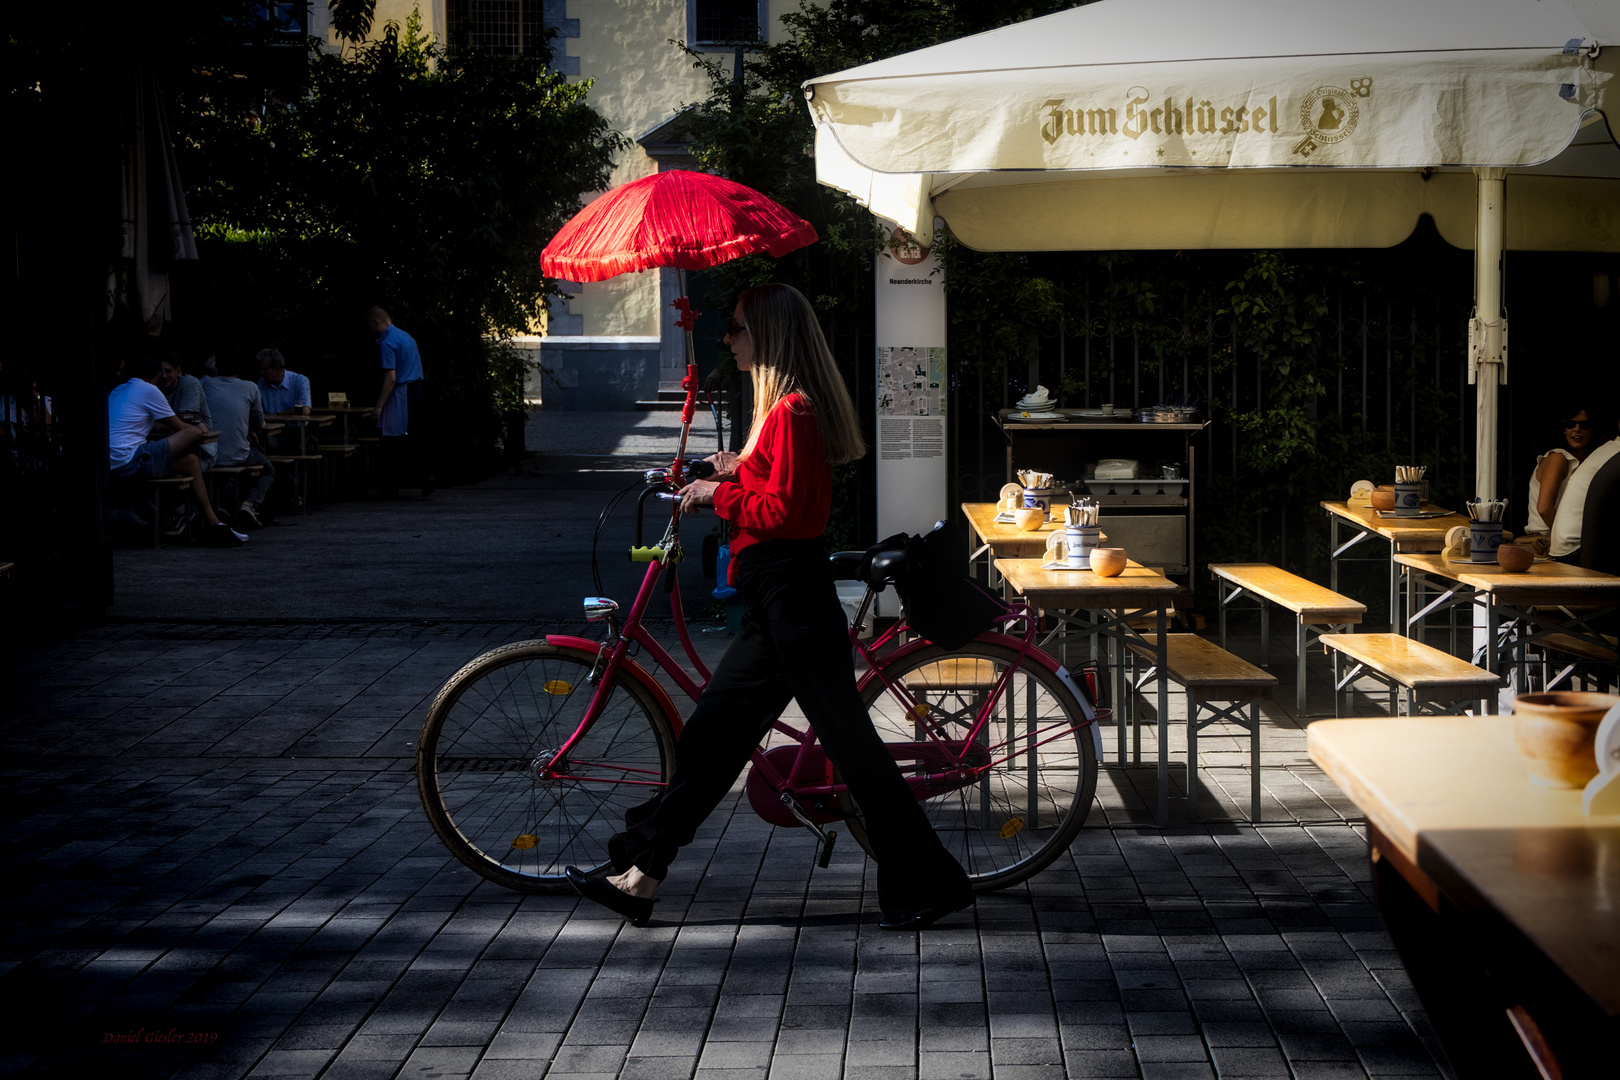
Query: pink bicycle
{"type": "Point", "coordinates": [531, 753]}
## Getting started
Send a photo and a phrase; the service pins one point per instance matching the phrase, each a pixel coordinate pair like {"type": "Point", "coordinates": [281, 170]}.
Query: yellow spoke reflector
{"type": "Point", "coordinates": [527, 841]}
{"type": "Point", "coordinates": [919, 712]}
{"type": "Point", "coordinates": [1012, 828]}
{"type": "Point", "coordinates": [558, 687]}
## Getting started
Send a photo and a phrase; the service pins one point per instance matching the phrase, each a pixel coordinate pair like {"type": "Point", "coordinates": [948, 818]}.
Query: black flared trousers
{"type": "Point", "coordinates": [793, 645]}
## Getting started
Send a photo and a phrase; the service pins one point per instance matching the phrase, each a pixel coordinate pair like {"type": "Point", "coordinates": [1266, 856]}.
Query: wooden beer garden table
{"type": "Point", "coordinates": [1005, 540]}
{"type": "Point", "coordinates": [1002, 540]}
{"type": "Point", "coordinates": [346, 411]}
{"type": "Point", "coordinates": [1402, 534]}
{"type": "Point", "coordinates": [1512, 596]}
{"type": "Point", "coordinates": [303, 424]}
{"type": "Point", "coordinates": [1499, 895]}
{"type": "Point", "coordinates": [1111, 604]}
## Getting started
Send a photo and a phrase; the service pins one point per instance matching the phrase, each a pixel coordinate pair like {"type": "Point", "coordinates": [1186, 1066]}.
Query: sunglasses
{"type": "Point", "coordinates": [1584, 425]}
{"type": "Point", "coordinates": [735, 328]}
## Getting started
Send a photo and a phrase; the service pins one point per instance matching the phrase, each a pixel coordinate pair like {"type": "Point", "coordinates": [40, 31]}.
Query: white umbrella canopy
{"type": "Point", "coordinates": [1250, 123]}
{"type": "Point", "coordinates": [1233, 111]}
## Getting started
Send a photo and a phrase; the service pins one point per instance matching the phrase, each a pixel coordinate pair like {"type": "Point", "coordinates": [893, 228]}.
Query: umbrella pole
{"type": "Point", "coordinates": [1487, 332]}
{"type": "Point", "coordinates": [1487, 359]}
{"type": "Point", "coordinates": [686, 322]}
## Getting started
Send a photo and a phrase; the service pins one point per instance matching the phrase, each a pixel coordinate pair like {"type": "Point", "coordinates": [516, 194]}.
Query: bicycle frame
{"type": "Point", "coordinates": [808, 779]}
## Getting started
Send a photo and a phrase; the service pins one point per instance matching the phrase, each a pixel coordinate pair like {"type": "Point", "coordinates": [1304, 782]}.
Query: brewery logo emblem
{"type": "Point", "coordinates": [1329, 114]}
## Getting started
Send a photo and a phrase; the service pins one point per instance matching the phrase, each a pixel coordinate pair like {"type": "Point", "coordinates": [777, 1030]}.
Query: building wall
{"type": "Point", "coordinates": [640, 81]}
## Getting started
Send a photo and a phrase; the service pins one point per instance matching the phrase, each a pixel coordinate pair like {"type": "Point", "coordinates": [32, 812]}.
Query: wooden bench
{"type": "Point", "coordinates": [220, 475]}
{"type": "Point", "coordinates": [152, 492]}
{"type": "Point", "coordinates": [1420, 673]}
{"type": "Point", "coordinates": [299, 464]}
{"type": "Point", "coordinates": [1226, 687]}
{"type": "Point", "coordinates": [1314, 606]}
{"type": "Point", "coordinates": [1581, 651]}
{"type": "Point", "coordinates": [335, 452]}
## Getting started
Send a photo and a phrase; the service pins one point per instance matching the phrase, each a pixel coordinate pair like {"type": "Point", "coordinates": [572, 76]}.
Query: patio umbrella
{"type": "Point", "coordinates": [687, 220]}
{"type": "Point", "coordinates": [680, 219]}
{"type": "Point", "coordinates": [1251, 123]}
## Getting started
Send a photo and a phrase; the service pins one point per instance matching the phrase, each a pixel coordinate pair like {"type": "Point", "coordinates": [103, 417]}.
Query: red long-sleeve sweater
{"type": "Point", "coordinates": [783, 490]}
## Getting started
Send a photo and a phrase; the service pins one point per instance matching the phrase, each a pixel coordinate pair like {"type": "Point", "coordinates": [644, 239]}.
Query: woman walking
{"type": "Point", "coordinates": [793, 644]}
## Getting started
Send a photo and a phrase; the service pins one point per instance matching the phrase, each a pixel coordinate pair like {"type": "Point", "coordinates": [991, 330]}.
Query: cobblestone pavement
{"type": "Point", "coordinates": [215, 865]}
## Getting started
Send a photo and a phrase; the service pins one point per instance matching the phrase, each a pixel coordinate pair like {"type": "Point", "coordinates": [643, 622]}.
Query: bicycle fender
{"type": "Point", "coordinates": [1036, 656]}
{"type": "Point", "coordinates": [628, 668]}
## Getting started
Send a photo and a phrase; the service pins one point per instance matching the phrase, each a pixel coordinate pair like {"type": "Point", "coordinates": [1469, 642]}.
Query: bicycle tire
{"type": "Point", "coordinates": [485, 736]}
{"type": "Point", "coordinates": [1024, 812]}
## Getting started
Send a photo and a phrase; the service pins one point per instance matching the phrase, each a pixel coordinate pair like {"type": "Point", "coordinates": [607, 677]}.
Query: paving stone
{"type": "Point", "coordinates": [305, 908]}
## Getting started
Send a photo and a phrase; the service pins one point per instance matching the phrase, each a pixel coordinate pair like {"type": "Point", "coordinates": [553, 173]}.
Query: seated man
{"type": "Point", "coordinates": [239, 415]}
{"type": "Point", "coordinates": [133, 409]}
{"type": "Point", "coordinates": [1567, 525]}
{"type": "Point", "coordinates": [280, 390]}
{"type": "Point", "coordinates": [185, 396]}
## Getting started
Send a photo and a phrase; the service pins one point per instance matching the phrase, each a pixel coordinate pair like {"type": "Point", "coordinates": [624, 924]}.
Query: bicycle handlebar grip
{"type": "Point", "coordinates": [699, 470]}
{"type": "Point", "coordinates": [646, 554]}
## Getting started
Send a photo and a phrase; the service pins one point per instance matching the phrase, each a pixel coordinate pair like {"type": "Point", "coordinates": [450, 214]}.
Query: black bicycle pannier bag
{"type": "Point", "coordinates": [942, 603]}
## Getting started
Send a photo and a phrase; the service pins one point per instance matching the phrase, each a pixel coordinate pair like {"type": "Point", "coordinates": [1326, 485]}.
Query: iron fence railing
{"type": "Point", "coordinates": [1393, 386]}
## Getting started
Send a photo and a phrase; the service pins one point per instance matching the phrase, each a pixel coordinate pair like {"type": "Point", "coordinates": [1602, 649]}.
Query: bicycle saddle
{"type": "Point", "coordinates": [885, 566]}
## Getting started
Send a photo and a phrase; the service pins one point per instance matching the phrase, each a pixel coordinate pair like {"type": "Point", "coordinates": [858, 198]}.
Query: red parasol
{"type": "Point", "coordinates": [687, 220]}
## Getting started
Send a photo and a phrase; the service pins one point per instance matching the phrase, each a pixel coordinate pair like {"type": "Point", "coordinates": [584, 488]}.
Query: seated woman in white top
{"type": "Point", "coordinates": [1553, 469]}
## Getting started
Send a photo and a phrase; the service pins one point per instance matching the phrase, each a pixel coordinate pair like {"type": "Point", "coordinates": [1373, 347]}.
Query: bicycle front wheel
{"type": "Point", "coordinates": [1035, 765]}
{"type": "Point", "coordinates": [493, 786]}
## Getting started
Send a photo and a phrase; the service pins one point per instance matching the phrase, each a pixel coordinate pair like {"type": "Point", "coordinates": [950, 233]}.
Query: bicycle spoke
{"type": "Point", "coordinates": [1033, 775]}
{"type": "Point", "coordinates": [492, 796]}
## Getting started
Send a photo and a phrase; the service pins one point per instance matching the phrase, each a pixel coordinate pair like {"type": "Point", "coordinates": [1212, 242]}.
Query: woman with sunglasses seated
{"type": "Point", "coordinates": [1553, 468]}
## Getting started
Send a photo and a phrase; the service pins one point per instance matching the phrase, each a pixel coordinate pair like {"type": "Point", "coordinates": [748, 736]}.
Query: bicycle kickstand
{"type": "Point", "coordinates": [823, 835]}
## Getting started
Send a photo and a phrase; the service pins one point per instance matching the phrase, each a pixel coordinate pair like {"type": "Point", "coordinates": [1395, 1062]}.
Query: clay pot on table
{"type": "Point", "coordinates": [1514, 559]}
{"type": "Point", "coordinates": [1556, 732]}
{"type": "Point", "coordinates": [1383, 498]}
{"type": "Point", "coordinates": [1029, 518]}
{"type": "Point", "coordinates": [1107, 562]}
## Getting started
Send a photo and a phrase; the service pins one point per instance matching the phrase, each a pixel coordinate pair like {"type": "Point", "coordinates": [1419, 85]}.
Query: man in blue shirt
{"type": "Point", "coordinates": [280, 390]}
{"type": "Point", "coordinates": [400, 397]}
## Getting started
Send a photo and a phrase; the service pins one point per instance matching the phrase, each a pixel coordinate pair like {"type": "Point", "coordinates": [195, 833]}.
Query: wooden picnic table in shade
{"type": "Point", "coordinates": [303, 424]}
{"type": "Point", "coordinates": [1498, 894]}
{"type": "Point", "coordinates": [1520, 596]}
{"type": "Point", "coordinates": [1404, 535]}
{"type": "Point", "coordinates": [1111, 605]}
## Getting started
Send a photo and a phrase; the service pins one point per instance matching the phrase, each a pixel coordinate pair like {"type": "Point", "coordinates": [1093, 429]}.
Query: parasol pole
{"type": "Point", "coordinates": [1487, 353]}
{"type": "Point", "coordinates": [1487, 330]}
{"type": "Point", "coordinates": [686, 322]}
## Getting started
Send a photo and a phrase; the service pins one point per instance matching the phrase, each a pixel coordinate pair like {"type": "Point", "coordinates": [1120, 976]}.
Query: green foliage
{"type": "Point", "coordinates": [405, 176]}
{"type": "Point", "coordinates": [351, 19]}
{"type": "Point", "coordinates": [756, 130]}
{"type": "Point", "coordinates": [1262, 319]}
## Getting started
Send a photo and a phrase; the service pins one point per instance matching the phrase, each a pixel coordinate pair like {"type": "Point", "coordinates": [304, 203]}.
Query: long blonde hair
{"type": "Point", "coordinates": [791, 357]}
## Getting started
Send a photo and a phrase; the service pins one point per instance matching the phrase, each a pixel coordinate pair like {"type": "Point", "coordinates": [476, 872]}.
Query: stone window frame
{"type": "Point", "coordinates": [763, 7]}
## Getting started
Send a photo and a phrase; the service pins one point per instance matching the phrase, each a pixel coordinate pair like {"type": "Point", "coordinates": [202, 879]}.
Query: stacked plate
{"type": "Point", "coordinates": [1036, 402]}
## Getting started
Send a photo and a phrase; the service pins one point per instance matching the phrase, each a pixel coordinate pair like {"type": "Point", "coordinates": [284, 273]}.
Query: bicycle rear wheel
{"type": "Point", "coordinates": [1023, 811]}
{"type": "Point", "coordinates": [489, 780]}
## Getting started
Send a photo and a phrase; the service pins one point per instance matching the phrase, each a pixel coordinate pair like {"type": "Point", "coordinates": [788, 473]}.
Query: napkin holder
{"type": "Point", "coordinates": [1602, 794]}
{"type": "Point", "coordinates": [1116, 469]}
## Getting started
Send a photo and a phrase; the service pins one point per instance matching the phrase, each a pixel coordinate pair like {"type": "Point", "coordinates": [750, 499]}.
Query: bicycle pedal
{"type": "Point", "coordinates": [826, 850]}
